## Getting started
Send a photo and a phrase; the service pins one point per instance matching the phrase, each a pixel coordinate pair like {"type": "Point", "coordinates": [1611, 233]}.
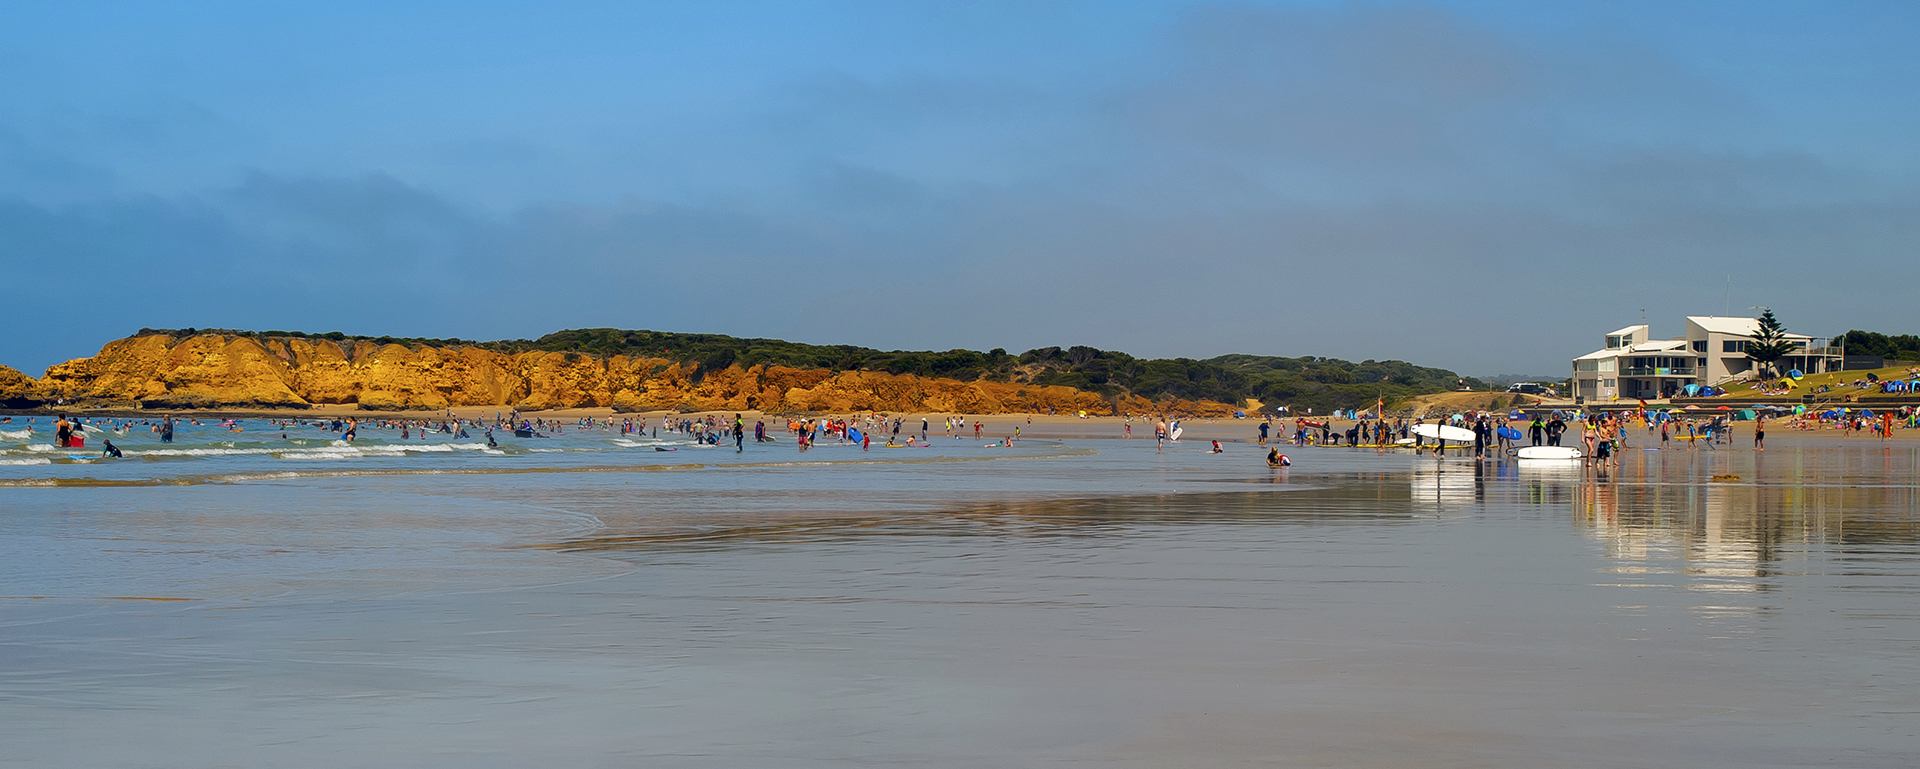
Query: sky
{"type": "Point", "coordinates": [1483, 186]}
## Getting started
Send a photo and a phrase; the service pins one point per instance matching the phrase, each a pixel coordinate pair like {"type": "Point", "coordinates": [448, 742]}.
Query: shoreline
{"type": "Point", "coordinates": [1032, 426]}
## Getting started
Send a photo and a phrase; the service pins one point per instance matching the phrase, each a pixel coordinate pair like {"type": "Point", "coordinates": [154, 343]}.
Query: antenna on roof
{"type": "Point", "coordinates": [1728, 308]}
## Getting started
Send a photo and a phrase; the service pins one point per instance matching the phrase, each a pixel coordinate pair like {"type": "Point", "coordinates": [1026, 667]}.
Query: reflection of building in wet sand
{"type": "Point", "coordinates": [1734, 535]}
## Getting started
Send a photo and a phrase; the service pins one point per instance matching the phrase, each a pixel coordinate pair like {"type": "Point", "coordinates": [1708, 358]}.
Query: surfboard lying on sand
{"type": "Point", "coordinates": [1444, 432]}
{"type": "Point", "coordinates": [1547, 452]}
{"type": "Point", "coordinates": [1404, 442]}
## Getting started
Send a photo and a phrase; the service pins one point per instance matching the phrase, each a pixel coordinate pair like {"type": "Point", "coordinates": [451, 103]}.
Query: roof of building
{"type": "Point", "coordinates": [1598, 354]}
{"type": "Point", "coordinates": [1714, 324]}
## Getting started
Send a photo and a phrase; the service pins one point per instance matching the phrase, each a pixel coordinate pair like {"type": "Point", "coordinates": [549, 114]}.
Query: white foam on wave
{"type": "Point", "coordinates": [333, 450]}
{"type": "Point", "coordinates": [641, 444]}
{"type": "Point", "coordinates": [26, 461]}
{"type": "Point", "coordinates": [40, 447]}
{"type": "Point", "coordinates": [16, 435]}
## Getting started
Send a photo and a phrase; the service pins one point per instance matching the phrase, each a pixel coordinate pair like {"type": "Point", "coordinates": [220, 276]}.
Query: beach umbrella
{"type": "Point", "coordinates": [1723, 408]}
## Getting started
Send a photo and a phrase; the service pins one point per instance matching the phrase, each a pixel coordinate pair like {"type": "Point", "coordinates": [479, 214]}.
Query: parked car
{"type": "Point", "coordinates": [1528, 388]}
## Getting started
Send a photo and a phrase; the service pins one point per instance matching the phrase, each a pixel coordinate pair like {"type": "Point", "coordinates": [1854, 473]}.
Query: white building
{"type": "Point", "coordinates": [1714, 351]}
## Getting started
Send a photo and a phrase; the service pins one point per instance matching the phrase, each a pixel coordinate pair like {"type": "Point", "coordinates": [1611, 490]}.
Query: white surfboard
{"type": "Point", "coordinates": [1404, 442]}
{"type": "Point", "coordinates": [1175, 435]}
{"type": "Point", "coordinates": [1444, 432]}
{"type": "Point", "coordinates": [1547, 452]}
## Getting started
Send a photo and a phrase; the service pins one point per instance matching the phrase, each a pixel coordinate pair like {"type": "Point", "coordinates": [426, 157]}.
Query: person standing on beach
{"type": "Point", "coordinates": [739, 434]}
{"type": "Point", "coordinates": [1160, 436]}
{"type": "Point", "coordinates": [1263, 433]}
{"type": "Point", "coordinates": [1759, 433]}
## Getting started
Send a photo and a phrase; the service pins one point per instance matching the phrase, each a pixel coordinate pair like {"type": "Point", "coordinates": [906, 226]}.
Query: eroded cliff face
{"type": "Point", "coordinates": [17, 390]}
{"type": "Point", "coordinates": [217, 371]}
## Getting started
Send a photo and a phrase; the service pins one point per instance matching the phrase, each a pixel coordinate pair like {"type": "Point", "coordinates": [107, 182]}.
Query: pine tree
{"type": "Point", "coordinates": [1769, 343]}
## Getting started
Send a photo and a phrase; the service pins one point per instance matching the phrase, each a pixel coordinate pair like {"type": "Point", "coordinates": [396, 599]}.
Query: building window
{"type": "Point", "coordinates": [1607, 383]}
{"type": "Point", "coordinates": [1703, 361]}
{"type": "Point", "coordinates": [1613, 343]}
{"type": "Point", "coordinates": [1606, 365]}
{"type": "Point", "coordinates": [1733, 345]}
{"type": "Point", "coordinates": [1586, 365]}
{"type": "Point", "coordinates": [1700, 346]}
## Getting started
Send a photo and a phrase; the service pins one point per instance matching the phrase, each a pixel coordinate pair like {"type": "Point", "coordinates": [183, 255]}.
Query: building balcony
{"type": "Point", "coordinates": [1657, 371]}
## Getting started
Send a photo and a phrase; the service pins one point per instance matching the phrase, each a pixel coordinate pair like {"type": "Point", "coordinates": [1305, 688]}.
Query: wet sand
{"type": "Point", "coordinates": [1106, 605]}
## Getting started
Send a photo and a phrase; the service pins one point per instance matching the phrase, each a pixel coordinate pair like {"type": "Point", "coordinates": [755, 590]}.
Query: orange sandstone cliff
{"type": "Point", "coordinates": [220, 371]}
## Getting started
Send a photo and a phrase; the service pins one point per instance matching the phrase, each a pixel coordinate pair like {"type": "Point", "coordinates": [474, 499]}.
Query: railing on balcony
{"type": "Point", "coordinates": [1657, 371]}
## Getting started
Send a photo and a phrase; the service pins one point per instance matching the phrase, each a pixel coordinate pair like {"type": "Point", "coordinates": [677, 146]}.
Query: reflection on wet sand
{"type": "Point", "coordinates": [1067, 516]}
{"type": "Point", "coordinates": [1124, 608]}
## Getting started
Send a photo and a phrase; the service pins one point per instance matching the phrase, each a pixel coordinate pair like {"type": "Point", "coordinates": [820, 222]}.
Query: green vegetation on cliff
{"type": "Point", "coordinates": [1304, 382]}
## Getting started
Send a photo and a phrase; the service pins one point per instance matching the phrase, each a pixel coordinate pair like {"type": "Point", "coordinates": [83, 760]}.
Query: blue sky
{"type": "Point", "coordinates": [1484, 186]}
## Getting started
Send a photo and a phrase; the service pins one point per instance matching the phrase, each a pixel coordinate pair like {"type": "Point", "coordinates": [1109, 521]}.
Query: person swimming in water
{"type": "Point", "coordinates": [1277, 459]}
{"type": "Point", "coordinates": [1216, 448]}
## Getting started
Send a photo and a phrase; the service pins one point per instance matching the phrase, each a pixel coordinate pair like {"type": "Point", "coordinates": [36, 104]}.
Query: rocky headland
{"type": "Point", "coordinates": [225, 371]}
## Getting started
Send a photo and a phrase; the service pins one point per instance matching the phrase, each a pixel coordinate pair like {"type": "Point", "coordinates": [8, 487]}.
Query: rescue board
{"type": "Point", "coordinates": [1444, 432]}
{"type": "Point", "coordinates": [1547, 452]}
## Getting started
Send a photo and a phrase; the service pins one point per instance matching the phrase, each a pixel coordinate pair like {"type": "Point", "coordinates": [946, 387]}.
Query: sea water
{"type": "Point", "coordinates": [243, 599]}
